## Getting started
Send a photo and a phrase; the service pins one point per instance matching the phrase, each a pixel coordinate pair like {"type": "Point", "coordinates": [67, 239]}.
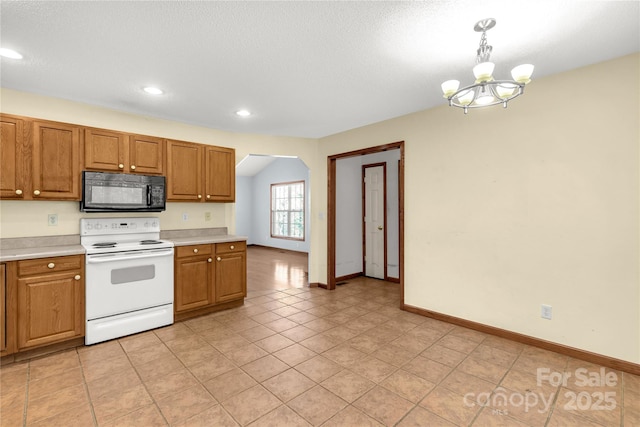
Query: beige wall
{"type": "Point", "coordinates": [505, 209]}
{"type": "Point", "coordinates": [536, 204]}
{"type": "Point", "coordinates": [21, 218]}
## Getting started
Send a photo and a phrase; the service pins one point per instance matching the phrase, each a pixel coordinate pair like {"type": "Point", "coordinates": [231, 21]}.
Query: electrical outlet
{"type": "Point", "coordinates": [52, 220]}
{"type": "Point", "coordinates": [207, 216]}
{"type": "Point", "coordinates": [185, 217]}
{"type": "Point", "coordinates": [546, 312]}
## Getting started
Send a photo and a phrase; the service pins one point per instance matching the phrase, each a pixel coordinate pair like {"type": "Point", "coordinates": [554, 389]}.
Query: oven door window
{"type": "Point", "coordinates": [133, 274]}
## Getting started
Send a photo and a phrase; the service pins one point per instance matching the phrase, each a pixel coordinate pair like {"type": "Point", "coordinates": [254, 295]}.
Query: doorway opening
{"type": "Point", "coordinates": [254, 217]}
{"type": "Point", "coordinates": [334, 204]}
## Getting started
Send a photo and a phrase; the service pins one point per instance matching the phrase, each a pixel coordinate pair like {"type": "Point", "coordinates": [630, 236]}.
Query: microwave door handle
{"type": "Point", "coordinates": [148, 195]}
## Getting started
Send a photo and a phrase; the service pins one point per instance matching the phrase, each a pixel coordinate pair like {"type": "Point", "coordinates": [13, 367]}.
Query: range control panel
{"type": "Point", "coordinates": [100, 226]}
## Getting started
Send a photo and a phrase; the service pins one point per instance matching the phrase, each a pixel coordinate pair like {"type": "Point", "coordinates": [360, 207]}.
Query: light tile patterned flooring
{"type": "Point", "coordinates": [299, 357]}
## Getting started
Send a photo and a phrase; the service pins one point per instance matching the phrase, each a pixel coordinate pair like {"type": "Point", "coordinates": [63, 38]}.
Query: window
{"type": "Point", "coordinates": [287, 210]}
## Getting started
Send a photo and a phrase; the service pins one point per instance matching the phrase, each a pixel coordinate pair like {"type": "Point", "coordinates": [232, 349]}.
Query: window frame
{"type": "Point", "coordinates": [289, 211]}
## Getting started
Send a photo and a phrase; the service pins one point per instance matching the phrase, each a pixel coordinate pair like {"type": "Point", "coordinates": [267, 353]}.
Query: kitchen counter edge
{"type": "Point", "coordinates": [204, 240]}
{"type": "Point", "coordinates": [41, 252]}
{"type": "Point", "coordinates": [66, 250]}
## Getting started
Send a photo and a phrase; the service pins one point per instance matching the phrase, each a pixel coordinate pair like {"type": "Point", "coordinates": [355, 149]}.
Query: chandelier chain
{"type": "Point", "coordinates": [484, 51]}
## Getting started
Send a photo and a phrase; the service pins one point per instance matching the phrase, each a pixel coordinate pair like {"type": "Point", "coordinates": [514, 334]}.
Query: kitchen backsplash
{"type": "Point", "coordinates": [31, 218]}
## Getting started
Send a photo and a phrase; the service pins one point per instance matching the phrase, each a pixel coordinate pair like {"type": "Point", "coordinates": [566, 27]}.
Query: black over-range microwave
{"type": "Point", "coordinates": [119, 192]}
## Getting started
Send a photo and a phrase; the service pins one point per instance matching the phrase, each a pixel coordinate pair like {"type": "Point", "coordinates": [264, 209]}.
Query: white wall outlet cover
{"type": "Point", "coordinates": [546, 311]}
{"type": "Point", "coordinates": [52, 220]}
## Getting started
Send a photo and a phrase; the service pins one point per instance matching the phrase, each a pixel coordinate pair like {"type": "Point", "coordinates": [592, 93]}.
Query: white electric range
{"type": "Point", "coordinates": [129, 277]}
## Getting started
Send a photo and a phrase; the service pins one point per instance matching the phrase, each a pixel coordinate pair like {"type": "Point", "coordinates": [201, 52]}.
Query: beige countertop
{"type": "Point", "coordinates": [17, 249]}
{"type": "Point", "coordinates": [184, 241]}
{"type": "Point", "coordinates": [7, 255]}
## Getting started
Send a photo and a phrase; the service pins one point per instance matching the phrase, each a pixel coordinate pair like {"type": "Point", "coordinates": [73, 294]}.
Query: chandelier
{"type": "Point", "coordinates": [487, 91]}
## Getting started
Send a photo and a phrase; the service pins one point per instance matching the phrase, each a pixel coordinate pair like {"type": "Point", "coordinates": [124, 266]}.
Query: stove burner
{"type": "Point", "coordinates": [150, 242]}
{"type": "Point", "coordinates": [105, 245]}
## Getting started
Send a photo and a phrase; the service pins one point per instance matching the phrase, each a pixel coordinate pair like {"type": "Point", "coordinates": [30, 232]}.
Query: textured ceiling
{"type": "Point", "coordinates": [306, 69]}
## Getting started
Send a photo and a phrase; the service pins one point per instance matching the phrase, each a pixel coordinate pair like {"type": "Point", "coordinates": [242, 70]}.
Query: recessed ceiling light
{"type": "Point", "coordinates": [8, 53]}
{"type": "Point", "coordinates": [153, 90]}
{"type": "Point", "coordinates": [243, 113]}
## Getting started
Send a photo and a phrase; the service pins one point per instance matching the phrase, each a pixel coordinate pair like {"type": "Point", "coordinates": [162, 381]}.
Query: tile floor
{"type": "Point", "coordinates": [299, 357]}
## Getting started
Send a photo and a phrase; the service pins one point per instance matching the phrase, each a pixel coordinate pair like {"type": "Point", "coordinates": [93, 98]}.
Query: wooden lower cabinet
{"type": "Point", "coordinates": [50, 300]}
{"type": "Point", "coordinates": [3, 310]}
{"type": "Point", "coordinates": [231, 271]}
{"type": "Point", "coordinates": [193, 277]}
{"type": "Point", "coordinates": [209, 277]}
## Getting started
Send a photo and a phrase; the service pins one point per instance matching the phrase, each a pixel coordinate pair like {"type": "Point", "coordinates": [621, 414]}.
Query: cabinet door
{"type": "Point", "coordinates": [105, 150]}
{"type": "Point", "coordinates": [12, 147]}
{"type": "Point", "coordinates": [56, 161]}
{"type": "Point", "coordinates": [50, 308]}
{"type": "Point", "coordinates": [193, 283]}
{"type": "Point", "coordinates": [146, 154]}
{"type": "Point", "coordinates": [184, 171]}
{"type": "Point", "coordinates": [231, 276]}
{"type": "Point", "coordinates": [3, 310]}
{"type": "Point", "coordinates": [220, 164]}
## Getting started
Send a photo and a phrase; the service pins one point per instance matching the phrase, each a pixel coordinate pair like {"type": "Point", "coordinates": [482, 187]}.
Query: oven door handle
{"type": "Point", "coordinates": [101, 258]}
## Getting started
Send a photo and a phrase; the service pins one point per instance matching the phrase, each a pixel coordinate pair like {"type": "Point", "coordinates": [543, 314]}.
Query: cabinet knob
{"type": "Point", "coordinates": [120, 166]}
{"type": "Point", "coordinates": [195, 251]}
{"type": "Point", "coordinates": [209, 260]}
{"type": "Point", "coordinates": [36, 192]}
{"type": "Point", "coordinates": [208, 196]}
{"type": "Point", "coordinates": [199, 196]}
{"type": "Point", "coordinates": [51, 265]}
{"type": "Point", "coordinates": [19, 192]}
{"type": "Point", "coordinates": [77, 277]}
{"type": "Point", "coordinates": [218, 259]}
{"type": "Point", "coordinates": [133, 167]}
{"type": "Point", "coordinates": [232, 247]}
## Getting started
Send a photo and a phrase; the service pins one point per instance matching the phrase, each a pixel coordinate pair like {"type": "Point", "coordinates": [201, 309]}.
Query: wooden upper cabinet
{"type": "Point", "coordinates": [146, 154]}
{"type": "Point", "coordinates": [13, 145]}
{"type": "Point", "coordinates": [220, 166]}
{"type": "Point", "coordinates": [43, 160]}
{"type": "Point", "coordinates": [184, 171]}
{"type": "Point", "coordinates": [105, 150]}
{"type": "Point", "coordinates": [111, 151]}
{"type": "Point", "coordinates": [55, 161]}
{"type": "Point", "coordinates": [186, 162]}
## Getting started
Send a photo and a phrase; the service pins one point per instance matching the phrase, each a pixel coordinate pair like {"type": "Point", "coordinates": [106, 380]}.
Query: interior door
{"type": "Point", "coordinates": [375, 240]}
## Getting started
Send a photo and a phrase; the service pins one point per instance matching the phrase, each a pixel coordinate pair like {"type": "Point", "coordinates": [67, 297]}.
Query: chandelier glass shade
{"type": "Point", "coordinates": [486, 91]}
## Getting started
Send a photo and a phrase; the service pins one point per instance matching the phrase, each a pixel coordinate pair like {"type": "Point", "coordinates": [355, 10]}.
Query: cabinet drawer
{"type": "Point", "coordinates": [193, 250]}
{"type": "Point", "coordinates": [222, 248]}
{"type": "Point", "coordinates": [49, 265]}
